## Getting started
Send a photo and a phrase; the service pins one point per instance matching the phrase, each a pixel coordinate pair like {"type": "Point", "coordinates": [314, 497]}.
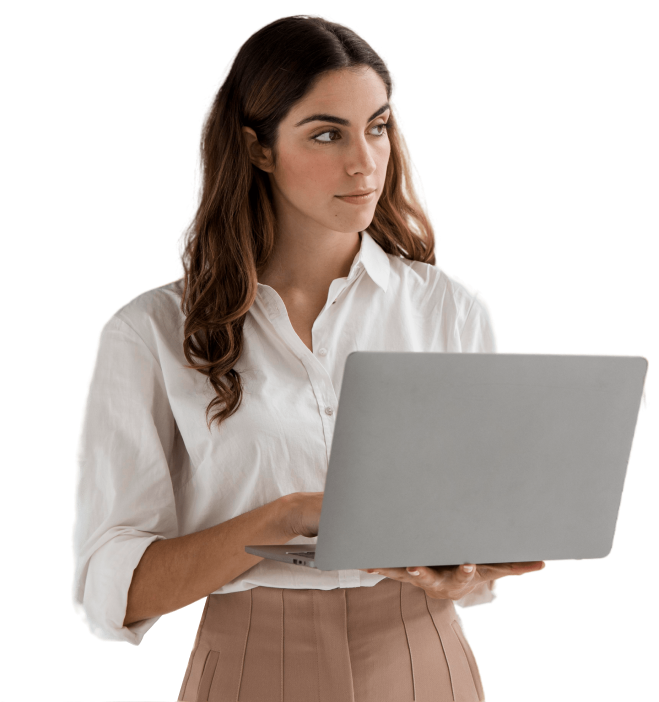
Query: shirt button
{"type": "Point", "coordinates": [329, 410]}
{"type": "Point", "coordinates": [322, 352]}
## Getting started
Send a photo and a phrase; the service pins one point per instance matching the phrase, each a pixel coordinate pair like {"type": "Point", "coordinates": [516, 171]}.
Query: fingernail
{"type": "Point", "coordinates": [468, 569]}
{"type": "Point", "coordinates": [412, 572]}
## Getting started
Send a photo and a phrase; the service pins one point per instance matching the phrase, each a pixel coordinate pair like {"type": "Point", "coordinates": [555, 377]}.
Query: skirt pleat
{"type": "Point", "coordinates": [386, 643]}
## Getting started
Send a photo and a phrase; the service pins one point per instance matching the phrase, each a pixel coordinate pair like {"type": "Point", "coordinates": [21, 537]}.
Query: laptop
{"type": "Point", "coordinates": [450, 458]}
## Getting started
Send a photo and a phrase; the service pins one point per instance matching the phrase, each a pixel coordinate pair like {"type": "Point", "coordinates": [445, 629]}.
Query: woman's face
{"type": "Point", "coordinates": [331, 143]}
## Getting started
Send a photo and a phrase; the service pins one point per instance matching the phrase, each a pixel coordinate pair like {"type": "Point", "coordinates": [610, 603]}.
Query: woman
{"type": "Point", "coordinates": [212, 406]}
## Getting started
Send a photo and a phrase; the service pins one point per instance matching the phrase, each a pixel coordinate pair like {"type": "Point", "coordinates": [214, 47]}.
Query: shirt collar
{"type": "Point", "coordinates": [374, 259]}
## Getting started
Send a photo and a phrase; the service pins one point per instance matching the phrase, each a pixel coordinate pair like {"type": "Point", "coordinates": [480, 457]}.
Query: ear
{"type": "Point", "coordinates": [258, 155]}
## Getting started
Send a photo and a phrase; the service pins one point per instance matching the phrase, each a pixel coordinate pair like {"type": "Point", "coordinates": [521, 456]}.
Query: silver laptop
{"type": "Point", "coordinates": [449, 458]}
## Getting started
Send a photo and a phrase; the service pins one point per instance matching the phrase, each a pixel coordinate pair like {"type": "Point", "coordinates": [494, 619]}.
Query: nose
{"type": "Point", "coordinates": [359, 158]}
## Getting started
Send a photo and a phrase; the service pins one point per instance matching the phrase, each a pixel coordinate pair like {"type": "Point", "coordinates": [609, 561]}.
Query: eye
{"type": "Point", "coordinates": [336, 131]}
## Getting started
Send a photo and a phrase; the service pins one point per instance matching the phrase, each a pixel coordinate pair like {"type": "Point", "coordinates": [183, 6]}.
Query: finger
{"type": "Point", "coordinates": [525, 567]}
{"type": "Point", "coordinates": [454, 582]}
{"type": "Point", "coordinates": [508, 564]}
{"type": "Point", "coordinates": [411, 573]}
{"type": "Point", "coordinates": [453, 578]}
{"type": "Point", "coordinates": [389, 572]}
{"type": "Point", "coordinates": [493, 571]}
{"type": "Point", "coordinates": [426, 577]}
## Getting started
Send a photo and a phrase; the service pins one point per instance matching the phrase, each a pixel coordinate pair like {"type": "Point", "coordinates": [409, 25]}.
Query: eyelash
{"type": "Point", "coordinates": [336, 131]}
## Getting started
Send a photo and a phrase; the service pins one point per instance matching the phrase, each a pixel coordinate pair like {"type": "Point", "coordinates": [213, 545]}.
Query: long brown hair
{"type": "Point", "coordinates": [233, 232]}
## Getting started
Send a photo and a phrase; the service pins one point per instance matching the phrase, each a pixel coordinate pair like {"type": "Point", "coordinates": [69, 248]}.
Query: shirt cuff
{"type": "Point", "coordinates": [480, 595]}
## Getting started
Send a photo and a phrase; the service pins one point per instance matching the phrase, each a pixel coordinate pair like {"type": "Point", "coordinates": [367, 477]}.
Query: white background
{"type": "Point", "coordinates": [578, 642]}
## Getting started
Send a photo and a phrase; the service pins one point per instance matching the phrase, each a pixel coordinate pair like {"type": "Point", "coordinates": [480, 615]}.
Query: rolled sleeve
{"type": "Point", "coordinates": [480, 595]}
{"type": "Point", "coordinates": [477, 334]}
{"type": "Point", "coordinates": [125, 498]}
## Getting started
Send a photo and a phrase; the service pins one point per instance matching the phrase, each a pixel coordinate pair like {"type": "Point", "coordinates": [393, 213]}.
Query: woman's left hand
{"type": "Point", "coordinates": [454, 582]}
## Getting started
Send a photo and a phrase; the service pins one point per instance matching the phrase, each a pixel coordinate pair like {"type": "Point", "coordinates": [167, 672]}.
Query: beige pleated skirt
{"type": "Point", "coordinates": [386, 643]}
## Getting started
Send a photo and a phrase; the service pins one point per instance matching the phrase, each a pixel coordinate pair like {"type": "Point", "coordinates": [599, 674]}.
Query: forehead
{"type": "Point", "coordinates": [352, 91]}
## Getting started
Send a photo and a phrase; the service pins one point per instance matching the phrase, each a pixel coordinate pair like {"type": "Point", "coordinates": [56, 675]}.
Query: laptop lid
{"type": "Point", "coordinates": [447, 458]}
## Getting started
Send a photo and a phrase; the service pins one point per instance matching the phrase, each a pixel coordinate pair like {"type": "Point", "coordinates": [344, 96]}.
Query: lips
{"type": "Point", "coordinates": [363, 193]}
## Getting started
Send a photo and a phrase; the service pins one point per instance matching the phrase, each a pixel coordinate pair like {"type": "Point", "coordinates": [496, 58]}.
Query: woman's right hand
{"type": "Point", "coordinates": [302, 514]}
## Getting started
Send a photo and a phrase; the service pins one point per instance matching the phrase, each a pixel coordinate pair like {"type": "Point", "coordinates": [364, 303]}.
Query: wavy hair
{"type": "Point", "coordinates": [233, 231]}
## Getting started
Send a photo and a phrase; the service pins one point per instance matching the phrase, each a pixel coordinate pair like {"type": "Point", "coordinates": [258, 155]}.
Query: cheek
{"type": "Point", "coordinates": [382, 159]}
{"type": "Point", "coordinates": [315, 173]}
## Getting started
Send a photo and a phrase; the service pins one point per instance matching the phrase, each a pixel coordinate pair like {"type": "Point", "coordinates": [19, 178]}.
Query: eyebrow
{"type": "Point", "coordinates": [340, 120]}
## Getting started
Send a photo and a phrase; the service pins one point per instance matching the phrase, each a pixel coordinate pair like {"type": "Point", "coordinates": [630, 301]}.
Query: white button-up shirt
{"type": "Point", "coordinates": [149, 468]}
